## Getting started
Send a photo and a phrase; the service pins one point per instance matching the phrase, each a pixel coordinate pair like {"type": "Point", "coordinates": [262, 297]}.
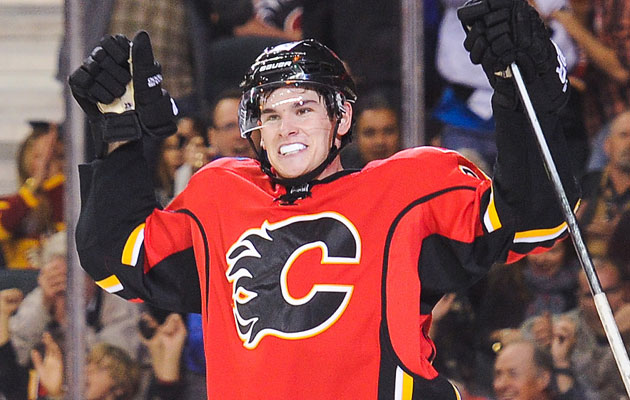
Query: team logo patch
{"type": "Point", "coordinates": [259, 265]}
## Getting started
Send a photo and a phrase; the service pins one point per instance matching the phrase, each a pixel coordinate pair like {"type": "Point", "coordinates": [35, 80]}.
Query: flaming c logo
{"type": "Point", "coordinates": [259, 263]}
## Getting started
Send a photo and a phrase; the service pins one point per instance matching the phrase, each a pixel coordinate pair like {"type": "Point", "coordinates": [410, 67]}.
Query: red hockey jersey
{"type": "Point", "coordinates": [327, 297]}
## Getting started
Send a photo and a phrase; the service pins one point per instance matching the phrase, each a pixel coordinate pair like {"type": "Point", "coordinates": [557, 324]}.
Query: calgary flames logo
{"type": "Point", "coordinates": [259, 263]}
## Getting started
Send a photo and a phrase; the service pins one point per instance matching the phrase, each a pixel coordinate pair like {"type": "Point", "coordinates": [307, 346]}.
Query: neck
{"type": "Point", "coordinates": [334, 167]}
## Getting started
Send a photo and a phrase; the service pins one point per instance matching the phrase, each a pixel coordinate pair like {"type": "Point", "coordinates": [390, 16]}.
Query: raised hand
{"type": "Point", "coordinates": [500, 32]}
{"type": "Point", "coordinates": [166, 346]}
{"type": "Point", "coordinates": [119, 88]}
{"type": "Point", "coordinates": [49, 366]}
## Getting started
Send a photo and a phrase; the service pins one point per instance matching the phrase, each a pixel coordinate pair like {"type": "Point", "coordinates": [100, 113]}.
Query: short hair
{"type": "Point", "coordinates": [541, 357]}
{"type": "Point", "coordinates": [376, 100]}
{"type": "Point", "coordinates": [123, 370]}
{"type": "Point", "coordinates": [230, 93]}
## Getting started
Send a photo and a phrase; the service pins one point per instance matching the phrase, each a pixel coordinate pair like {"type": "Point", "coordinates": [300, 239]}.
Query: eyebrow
{"type": "Point", "coordinates": [296, 104]}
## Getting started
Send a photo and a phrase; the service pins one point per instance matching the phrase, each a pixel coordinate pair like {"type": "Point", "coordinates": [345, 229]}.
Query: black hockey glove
{"type": "Point", "coordinates": [122, 94]}
{"type": "Point", "coordinates": [499, 32]}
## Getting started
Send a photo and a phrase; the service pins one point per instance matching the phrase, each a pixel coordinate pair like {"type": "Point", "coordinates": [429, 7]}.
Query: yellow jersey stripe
{"type": "Point", "coordinates": [540, 235]}
{"type": "Point", "coordinates": [110, 284]}
{"type": "Point", "coordinates": [458, 395]}
{"type": "Point", "coordinates": [404, 385]}
{"type": "Point", "coordinates": [491, 216]}
{"type": "Point", "coordinates": [131, 251]}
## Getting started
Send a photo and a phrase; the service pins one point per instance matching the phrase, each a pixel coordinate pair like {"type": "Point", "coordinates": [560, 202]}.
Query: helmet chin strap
{"type": "Point", "coordinates": [266, 167]}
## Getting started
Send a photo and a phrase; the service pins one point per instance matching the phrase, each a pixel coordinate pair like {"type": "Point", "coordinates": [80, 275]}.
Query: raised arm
{"type": "Point", "coordinates": [501, 32]}
{"type": "Point", "coordinates": [129, 246]}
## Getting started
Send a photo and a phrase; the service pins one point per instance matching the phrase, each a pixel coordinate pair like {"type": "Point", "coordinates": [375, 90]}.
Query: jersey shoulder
{"type": "Point", "coordinates": [240, 166]}
{"type": "Point", "coordinates": [428, 159]}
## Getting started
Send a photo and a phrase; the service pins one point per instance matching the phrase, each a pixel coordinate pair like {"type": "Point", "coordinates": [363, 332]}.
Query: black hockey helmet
{"type": "Point", "coordinates": [306, 63]}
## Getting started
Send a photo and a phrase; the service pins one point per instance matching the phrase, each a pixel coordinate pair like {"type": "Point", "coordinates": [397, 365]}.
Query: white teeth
{"type": "Point", "coordinates": [291, 148]}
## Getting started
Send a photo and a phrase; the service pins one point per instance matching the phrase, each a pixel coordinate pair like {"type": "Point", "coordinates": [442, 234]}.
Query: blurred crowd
{"type": "Point", "coordinates": [528, 330]}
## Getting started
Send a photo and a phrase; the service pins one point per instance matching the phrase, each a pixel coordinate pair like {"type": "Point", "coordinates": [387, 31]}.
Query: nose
{"type": "Point", "coordinates": [380, 138]}
{"type": "Point", "coordinates": [288, 126]}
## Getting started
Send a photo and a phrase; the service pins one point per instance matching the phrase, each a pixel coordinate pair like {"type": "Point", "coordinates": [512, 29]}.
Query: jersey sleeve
{"type": "Point", "coordinates": [126, 243]}
{"type": "Point", "coordinates": [523, 196]}
{"type": "Point", "coordinates": [478, 221]}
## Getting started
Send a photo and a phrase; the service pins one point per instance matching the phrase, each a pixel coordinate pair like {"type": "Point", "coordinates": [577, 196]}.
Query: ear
{"type": "Point", "coordinates": [346, 120]}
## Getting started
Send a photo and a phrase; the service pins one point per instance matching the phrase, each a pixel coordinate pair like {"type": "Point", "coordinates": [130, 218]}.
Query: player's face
{"type": "Point", "coordinates": [515, 374]}
{"type": "Point", "coordinates": [296, 131]}
{"type": "Point", "coordinates": [378, 135]}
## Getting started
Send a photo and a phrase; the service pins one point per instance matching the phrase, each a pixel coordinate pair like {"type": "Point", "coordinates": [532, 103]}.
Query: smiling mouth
{"type": "Point", "coordinates": [291, 148]}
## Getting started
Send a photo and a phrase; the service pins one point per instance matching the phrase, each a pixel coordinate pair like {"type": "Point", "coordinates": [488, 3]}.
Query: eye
{"type": "Point", "coordinates": [304, 110]}
{"type": "Point", "coordinates": [270, 117]}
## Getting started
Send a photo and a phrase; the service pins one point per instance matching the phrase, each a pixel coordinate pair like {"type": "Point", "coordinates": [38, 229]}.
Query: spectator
{"type": "Point", "coordinates": [110, 373]}
{"type": "Point", "coordinates": [618, 250]}
{"type": "Point", "coordinates": [13, 378]}
{"type": "Point", "coordinates": [542, 284]}
{"type": "Point", "coordinates": [607, 192]}
{"type": "Point", "coordinates": [591, 359]}
{"type": "Point", "coordinates": [190, 126]}
{"type": "Point", "coordinates": [366, 35]}
{"type": "Point", "coordinates": [523, 371]}
{"type": "Point", "coordinates": [166, 344]}
{"type": "Point", "coordinates": [169, 160]}
{"type": "Point", "coordinates": [605, 40]}
{"type": "Point", "coordinates": [551, 280]}
{"type": "Point", "coordinates": [195, 151]}
{"type": "Point", "coordinates": [109, 319]}
{"type": "Point", "coordinates": [37, 208]}
{"type": "Point", "coordinates": [229, 57]}
{"type": "Point", "coordinates": [223, 135]}
{"type": "Point", "coordinates": [377, 130]}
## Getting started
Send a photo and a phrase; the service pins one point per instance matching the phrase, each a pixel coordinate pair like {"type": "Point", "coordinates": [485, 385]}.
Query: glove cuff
{"type": "Point", "coordinates": [114, 128]}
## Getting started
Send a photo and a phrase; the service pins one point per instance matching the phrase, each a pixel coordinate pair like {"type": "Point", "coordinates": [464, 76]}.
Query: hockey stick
{"type": "Point", "coordinates": [601, 302]}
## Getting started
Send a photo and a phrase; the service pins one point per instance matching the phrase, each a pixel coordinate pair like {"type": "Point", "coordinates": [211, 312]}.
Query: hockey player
{"type": "Point", "coordinates": [314, 282]}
